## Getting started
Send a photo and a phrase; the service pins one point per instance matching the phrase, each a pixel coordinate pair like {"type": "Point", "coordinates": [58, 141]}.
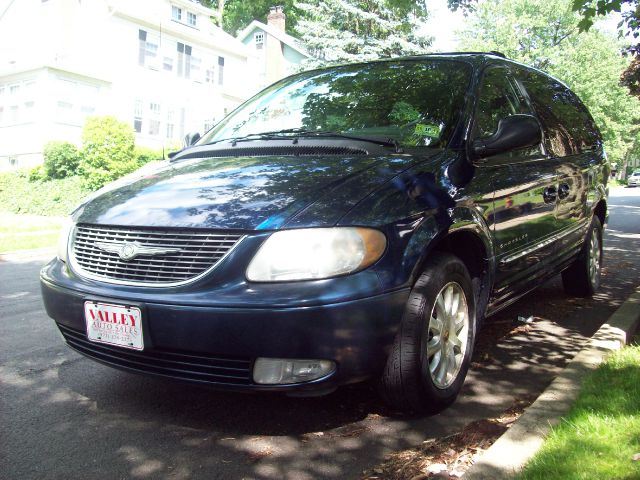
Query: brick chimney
{"type": "Point", "coordinates": [276, 18]}
{"type": "Point", "coordinates": [275, 66]}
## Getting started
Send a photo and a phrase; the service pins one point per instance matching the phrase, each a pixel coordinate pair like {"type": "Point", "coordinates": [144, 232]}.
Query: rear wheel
{"type": "Point", "coordinates": [432, 350]}
{"type": "Point", "coordinates": [582, 278]}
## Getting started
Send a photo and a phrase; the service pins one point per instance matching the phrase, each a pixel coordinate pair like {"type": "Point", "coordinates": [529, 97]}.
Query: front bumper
{"type": "Point", "coordinates": [218, 345]}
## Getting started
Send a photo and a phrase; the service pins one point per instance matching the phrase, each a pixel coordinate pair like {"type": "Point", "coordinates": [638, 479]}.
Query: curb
{"type": "Point", "coordinates": [508, 455]}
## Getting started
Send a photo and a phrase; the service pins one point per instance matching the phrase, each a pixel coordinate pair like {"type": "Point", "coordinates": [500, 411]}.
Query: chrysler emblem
{"type": "Point", "coordinates": [130, 250]}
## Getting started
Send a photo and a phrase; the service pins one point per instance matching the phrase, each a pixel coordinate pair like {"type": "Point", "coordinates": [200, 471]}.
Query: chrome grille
{"type": "Point", "coordinates": [199, 252]}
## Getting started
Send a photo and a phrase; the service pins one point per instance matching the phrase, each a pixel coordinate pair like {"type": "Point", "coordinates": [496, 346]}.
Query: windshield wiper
{"type": "Point", "coordinates": [302, 132]}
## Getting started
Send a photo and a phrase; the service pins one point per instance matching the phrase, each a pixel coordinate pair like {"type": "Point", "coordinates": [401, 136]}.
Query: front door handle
{"type": "Point", "coordinates": [549, 194]}
{"type": "Point", "coordinates": [563, 190]}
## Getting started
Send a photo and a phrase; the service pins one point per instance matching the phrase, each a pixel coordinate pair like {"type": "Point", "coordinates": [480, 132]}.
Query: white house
{"type": "Point", "coordinates": [279, 54]}
{"type": "Point", "coordinates": [161, 65]}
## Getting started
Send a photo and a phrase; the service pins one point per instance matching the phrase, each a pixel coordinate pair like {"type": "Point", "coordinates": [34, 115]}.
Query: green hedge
{"type": "Point", "coordinates": [40, 197]}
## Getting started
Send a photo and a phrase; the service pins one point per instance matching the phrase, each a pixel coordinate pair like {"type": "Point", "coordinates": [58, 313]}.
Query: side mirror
{"type": "Point", "coordinates": [190, 139]}
{"type": "Point", "coordinates": [514, 132]}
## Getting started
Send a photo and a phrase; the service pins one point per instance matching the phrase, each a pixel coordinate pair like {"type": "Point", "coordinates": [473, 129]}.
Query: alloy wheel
{"type": "Point", "coordinates": [594, 258]}
{"type": "Point", "coordinates": [447, 335]}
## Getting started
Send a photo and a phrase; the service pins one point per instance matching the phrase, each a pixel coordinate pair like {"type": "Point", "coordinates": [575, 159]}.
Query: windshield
{"type": "Point", "coordinates": [414, 102]}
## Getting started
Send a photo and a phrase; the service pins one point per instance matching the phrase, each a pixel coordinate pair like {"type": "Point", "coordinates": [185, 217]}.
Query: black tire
{"type": "Point", "coordinates": [582, 278]}
{"type": "Point", "coordinates": [407, 383]}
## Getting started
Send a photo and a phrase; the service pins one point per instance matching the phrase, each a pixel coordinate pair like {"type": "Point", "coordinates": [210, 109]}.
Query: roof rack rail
{"type": "Point", "coordinates": [492, 52]}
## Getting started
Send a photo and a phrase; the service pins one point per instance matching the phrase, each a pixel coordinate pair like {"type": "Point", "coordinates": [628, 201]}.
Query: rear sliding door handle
{"type": "Point", "coordinates": [549, 194]}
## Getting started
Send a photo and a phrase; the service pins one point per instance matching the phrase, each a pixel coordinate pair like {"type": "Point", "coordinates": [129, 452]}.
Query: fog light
{"type": "Point", "coordinates": [279, 371]}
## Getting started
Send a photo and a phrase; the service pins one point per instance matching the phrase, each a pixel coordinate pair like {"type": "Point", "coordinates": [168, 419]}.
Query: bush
{"type": "Point", "coordinates": [145, 155]}
{"type": "Point", "coordinates": [37, 174]}
{"type": "Point", "coordinates": [61, 160]}
{"type": "Point", "coordinates": [108, 151]}
{"type": "Point", "coordinates": [54, 197]}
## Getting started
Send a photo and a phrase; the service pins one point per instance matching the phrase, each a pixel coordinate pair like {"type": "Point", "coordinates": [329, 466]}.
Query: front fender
{"type": "Point", "coordinates": [432, 234]}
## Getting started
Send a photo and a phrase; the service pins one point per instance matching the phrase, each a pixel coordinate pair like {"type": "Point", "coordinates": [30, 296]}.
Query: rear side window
{"type": "Point", "coordinates": [569, 127]}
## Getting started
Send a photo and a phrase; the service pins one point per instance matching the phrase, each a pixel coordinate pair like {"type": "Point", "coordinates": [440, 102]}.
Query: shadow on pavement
{"type": "Point", "coordinates": [89, 421]}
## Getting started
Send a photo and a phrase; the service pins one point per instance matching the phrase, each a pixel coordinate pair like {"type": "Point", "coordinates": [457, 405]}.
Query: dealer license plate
{"type": "Point", "coordinates": [114, 324]}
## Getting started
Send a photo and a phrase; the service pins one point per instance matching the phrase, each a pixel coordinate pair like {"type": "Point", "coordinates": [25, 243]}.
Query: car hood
{"type": "Point", "coordinates": [245, 193]}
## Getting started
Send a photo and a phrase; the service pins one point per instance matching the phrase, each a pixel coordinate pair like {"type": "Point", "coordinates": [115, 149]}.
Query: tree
{"type": "Point", "coordinates": [356, 30]}
{"type": "Point", "coordinates": [532, 32]}
{"type": "Point", "coordinates": [628, 27]}
{"type": "Point", "coordinates": [546, 35]}
{"type": "Point", "coordinates": [234, 15]}
{"type": "Point", "coordinates": [107, 150]}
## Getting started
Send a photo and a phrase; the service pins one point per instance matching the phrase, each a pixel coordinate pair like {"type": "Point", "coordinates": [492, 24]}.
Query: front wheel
{"type": "Point", "coordinates": [582, 278]}
{"type": "Point", "coordinates": [432, 351]}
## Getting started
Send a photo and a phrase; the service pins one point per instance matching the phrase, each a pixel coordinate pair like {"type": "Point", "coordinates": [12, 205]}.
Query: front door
{"type": "Point", "coordinates": [525, 184]}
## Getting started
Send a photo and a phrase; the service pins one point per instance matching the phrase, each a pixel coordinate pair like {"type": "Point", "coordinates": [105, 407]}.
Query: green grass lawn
{"type": "Point", "coordinates": [25, 232]}
{"type": "Point", "coordinates": [601, 434]}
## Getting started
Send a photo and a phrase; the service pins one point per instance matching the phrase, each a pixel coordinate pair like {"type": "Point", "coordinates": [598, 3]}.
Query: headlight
{"type": "Point", "coordinates": [316, 253]}
{"type": "Point", "coordinates": [63, 241]}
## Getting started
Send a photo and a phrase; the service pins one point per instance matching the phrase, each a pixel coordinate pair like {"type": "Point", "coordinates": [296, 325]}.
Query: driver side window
{"type": "Point", "coordinates": [498, 99]}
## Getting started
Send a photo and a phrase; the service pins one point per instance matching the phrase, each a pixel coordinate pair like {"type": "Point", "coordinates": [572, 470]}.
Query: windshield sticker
{"type": "Point", "coordinates": [427, 130]}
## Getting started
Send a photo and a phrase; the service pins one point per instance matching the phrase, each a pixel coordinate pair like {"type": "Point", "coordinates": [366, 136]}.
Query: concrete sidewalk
{"type": "Point", "coordinates": [509, 454]}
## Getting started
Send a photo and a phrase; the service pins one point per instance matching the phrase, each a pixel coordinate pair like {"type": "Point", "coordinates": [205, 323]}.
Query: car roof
{"type": "Point", "coordinates": [476, 59]}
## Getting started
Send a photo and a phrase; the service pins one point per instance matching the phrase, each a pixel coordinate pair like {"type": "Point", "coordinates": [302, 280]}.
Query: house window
{"type": "Point", "coordinates": [13, 162]}
{"type": "Point", "coordinates": [170, 124]}
{"type": "Point", "coordinates": [154, 127]}
{"type": "Point", "coordinates": [209, 76]}
{"type": "Point", "coordinates": [29, 108]}
{"type": "Point", "coordinates": [146, 48]}
{"type": "Point", "coordinates": [137, 116]}
{"type": "Point", "coordinates": [191, 19]}
{"type": "Point", "coordinates": [154, 108]}
{"type": "Point", "coordinates": [259, 39]}
{"type": "Point", "coordinates": [195, 68]}
{"type": "Point", "coordinates": [1, 115]}
{"type": "Point", "coordinates": [184, 60]}
{"type": "Point", "coordinates": [176, 13]}
{"type": "Point", "coordinates": [167, 64]}
{"type": "Point", "coordinates": [220, 70]}
{"type": "Point", "coordinates": [180, 59]}
{"type": "Point", "coordinates": [142, 52]}
{"type": "Point", "coordinates": [187, 61]}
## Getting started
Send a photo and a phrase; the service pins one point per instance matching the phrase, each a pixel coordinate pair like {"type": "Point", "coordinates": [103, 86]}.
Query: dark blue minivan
{"type": "Point", "coordinates": [346, 223]}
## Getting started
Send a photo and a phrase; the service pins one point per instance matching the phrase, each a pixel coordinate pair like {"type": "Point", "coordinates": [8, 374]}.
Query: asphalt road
{"type": "Point", "coordinates": [63, 416]}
